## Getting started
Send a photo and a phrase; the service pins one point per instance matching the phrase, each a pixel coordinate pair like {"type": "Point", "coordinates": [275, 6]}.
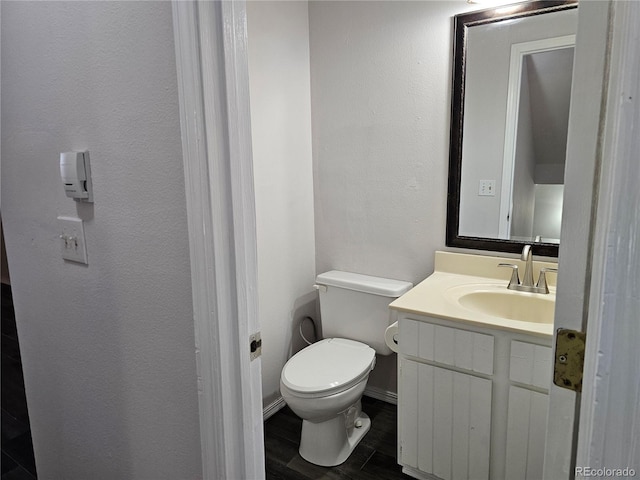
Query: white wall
{"type": "Point", "coordinates": [281, 130]}
{"type": "Point", "coordinates": [547, 218]}
{"type": "Point", "coordinates": [380, 93]}
{"type": "Point", "coordinates": [550, 77]}
{"type": "Point", "coordinates": [380, 102]}
{"type": "Point", "coordinates": [108, 348]}
{"type": "Point", "coordinates": [523, 193]}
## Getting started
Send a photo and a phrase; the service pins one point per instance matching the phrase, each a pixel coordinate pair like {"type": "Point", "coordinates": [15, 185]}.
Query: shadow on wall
{"type": "Point", "coordinates": [305, 306]}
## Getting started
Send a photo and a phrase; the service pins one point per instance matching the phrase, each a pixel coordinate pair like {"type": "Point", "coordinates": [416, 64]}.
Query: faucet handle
{"type": "Point", "coordinates": [542, 279]}
{"type": "Point", "coordinates": [515, 279]}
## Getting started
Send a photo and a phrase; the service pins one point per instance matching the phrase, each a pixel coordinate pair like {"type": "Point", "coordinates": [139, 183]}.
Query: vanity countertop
{"type": "Point", "coordinates": [455, 272]}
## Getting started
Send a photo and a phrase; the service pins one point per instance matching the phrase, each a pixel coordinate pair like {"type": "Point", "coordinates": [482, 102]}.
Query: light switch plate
{"type": "Point", "coordinates": [487, 188]}
{"type": "Point", "coordinates": [72, 242]}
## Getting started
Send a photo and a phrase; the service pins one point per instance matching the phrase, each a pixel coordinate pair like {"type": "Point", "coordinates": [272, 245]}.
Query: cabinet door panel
{"type": "Point", "coordinates": [425, 417]}
{"type": "Point", "coordinates": [427, 339]}
{"type": "Point", "coordinates": [442, 391]}
{"type": "Point", "coordinates": [463, 346]}
{"type": "Point", "coordinates": [461, 427]}
{"type": "Point", "coordinates": [483, 353]}
{"type": "Point", "coordinates": [451, 412]}
{"type": "Point", "coordinates": [526, 433]}
{"type": "Point", "coordinates": [408, 335]}
{"type": "Point", "coordinates": [464, 349]}
{"type": "Point", "coordinates": [445, 345]}
{"type": "Point", "coordinates": [408, 401]}
{"type": "Point", "coordinates": [531, 364]}
{"type": "Point", "coordinates": [479, 427]}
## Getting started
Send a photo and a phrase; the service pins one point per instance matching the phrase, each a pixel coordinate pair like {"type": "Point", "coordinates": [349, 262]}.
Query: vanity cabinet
{"type": "Point", "coordinates": [526, 426]}
{"type": "Point", "coordinates": [472, 401]}
{"type": "Point", "coordinates": [445, 421]}
{"type": "Point", "coordinates": [529, 366]}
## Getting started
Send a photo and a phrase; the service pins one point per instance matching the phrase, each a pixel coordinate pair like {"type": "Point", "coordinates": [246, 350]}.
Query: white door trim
{"type": "Point", "coordinates": [518, 52]}
{"type": "Point", "coordinates": [590, 72]}
{"type": "Point", "coordinates": [609, 413]}
{"type": "Point", "coordinates": [211, 57]}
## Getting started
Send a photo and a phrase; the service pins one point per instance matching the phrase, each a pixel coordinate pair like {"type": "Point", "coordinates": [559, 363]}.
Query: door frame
{"type": "Point", "coordinates": [608, 431]}
{"type": "Point", "coordinates": [213, 87]}
{"type": "Point", "coordinates": [599, 155]}
{"type": "Point", "coordinates": [575, 254]}
{"type": "Point", "coordinates": [516, 61]}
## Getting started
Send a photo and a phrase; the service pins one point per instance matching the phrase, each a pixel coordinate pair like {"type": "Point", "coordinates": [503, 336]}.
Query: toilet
{"type": "Point", "coordinates": [323, 383]}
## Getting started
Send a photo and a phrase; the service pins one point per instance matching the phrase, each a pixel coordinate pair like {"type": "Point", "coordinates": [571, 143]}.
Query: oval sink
{"type": "Point", "coordinates": [497, 301]}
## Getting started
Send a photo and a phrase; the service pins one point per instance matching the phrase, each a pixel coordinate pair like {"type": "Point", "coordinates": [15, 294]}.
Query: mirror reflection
{"type": "Point", "coordinates": [507, 160]}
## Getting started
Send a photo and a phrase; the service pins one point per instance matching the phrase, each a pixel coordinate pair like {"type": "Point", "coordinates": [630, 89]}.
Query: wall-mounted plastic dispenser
{"type": "Point", "coordinates": [75, 170]}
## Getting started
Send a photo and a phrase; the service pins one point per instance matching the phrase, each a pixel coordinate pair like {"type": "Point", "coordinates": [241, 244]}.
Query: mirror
{"type": "Point", "coordinates": [510, 108]}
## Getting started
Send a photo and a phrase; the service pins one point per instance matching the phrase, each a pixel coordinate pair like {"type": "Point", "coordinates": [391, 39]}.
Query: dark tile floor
{"type": "Point", "coordinates": [373, 459]}
{"type": "Point", "coordinates": [17, 449]}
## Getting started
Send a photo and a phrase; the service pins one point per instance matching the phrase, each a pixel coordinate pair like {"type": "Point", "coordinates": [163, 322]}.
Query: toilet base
{"type": "Point", "coordinates": [330, 443]}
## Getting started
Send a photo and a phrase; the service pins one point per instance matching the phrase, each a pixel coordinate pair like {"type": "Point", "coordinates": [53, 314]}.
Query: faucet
{"type": "Point", "coordinates": [527, 257]}
{"type": "Point", "coordinates": [527, 284]}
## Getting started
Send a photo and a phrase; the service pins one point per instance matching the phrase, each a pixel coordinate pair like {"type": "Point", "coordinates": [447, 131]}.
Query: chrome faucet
{"type": "Point", "coordinates": [527, 257]}
{"type": "Point", "coordinates": [527, 284]}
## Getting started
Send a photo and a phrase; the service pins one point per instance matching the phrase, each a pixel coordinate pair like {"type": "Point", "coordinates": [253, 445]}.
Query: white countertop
{"type": "Point", "coordinates": [430, 296]}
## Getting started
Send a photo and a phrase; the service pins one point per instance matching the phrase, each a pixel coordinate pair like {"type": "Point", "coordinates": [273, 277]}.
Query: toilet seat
{"type": "Point", "coordinates": [327, 367]}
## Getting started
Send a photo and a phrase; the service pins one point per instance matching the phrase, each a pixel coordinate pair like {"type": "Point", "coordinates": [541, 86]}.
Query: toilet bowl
{"type": "Point", "coordinates": [323, 384]}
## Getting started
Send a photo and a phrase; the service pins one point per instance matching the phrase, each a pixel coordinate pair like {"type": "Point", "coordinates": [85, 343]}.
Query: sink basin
{"type": "Point", "coordinates": [497, 301]}
{"type": "Point", "coordinates": [472, 290]}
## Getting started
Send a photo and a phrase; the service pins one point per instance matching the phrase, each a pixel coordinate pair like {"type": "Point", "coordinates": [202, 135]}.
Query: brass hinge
{"type": "Point", "coordinates": [255, 346]}
{"type": "Point", "coordinates": [569, 361]}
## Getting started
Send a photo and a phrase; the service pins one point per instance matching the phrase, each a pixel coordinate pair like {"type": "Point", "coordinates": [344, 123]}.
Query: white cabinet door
{"type": "Point", "coordinates": [531, 364]}
{"type": "Point", "coordinates": [445, 421]}
{"type": "Point", "coordinates": [526, 425]}
{"type": "Point", "coordinates": [459, 348]}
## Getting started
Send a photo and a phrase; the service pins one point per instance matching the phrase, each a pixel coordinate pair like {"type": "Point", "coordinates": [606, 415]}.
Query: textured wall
{"type": "Point", "coordinates": [380, 85]}
{"type": "Point", "coordinates": [281, 130]}
{"type": "Point", "coordinates": [108, 348]}
{"type": "Point", "coordinates": [380, 101]}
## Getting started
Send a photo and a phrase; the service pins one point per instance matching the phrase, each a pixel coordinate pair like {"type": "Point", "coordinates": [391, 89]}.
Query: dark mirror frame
{"type": "Point", "coordinates": [461, 24]}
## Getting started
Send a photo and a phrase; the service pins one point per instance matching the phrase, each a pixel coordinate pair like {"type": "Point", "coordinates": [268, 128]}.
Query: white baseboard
{"type": "Point", "coordinates": [271, 409]}
{"type": "Point", "coordinates": [380, 394]}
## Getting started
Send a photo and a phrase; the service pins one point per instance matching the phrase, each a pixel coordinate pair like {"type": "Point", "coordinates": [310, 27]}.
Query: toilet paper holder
{"type": "Point", "coordinates": [391, 336]}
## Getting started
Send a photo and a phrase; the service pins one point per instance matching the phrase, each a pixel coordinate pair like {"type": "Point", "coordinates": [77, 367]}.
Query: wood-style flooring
{"type": "Point", "coordinates": [373, 459]}
{"type": "Point", "coordinates": [17, 460]}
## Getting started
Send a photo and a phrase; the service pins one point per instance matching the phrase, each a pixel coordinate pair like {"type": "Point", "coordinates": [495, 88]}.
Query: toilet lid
{"type": "Point", "coordinates": [328, 365]}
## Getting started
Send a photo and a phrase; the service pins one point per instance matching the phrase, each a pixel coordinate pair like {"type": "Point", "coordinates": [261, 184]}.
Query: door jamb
{"type": "Point", "coordinates": [211, 58]}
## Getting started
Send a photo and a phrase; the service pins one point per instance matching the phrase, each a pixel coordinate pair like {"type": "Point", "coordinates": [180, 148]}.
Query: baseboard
{"type": "Point", "coordinates": [380, 394]}
{"type": "Point", "coordinates": [273, 408]}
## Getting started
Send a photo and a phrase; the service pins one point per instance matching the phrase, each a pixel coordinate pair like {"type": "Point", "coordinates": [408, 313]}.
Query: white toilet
{"type": "Point", "coordinates": [324, 382]}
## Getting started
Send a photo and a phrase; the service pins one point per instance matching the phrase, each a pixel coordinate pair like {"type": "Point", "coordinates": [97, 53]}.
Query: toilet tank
{"type": "Point", "coordinates": [356, 306]}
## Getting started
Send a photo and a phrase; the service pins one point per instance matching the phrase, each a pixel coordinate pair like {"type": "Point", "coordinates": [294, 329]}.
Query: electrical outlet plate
{"type": "Point", "coordinates": [72, 242]}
